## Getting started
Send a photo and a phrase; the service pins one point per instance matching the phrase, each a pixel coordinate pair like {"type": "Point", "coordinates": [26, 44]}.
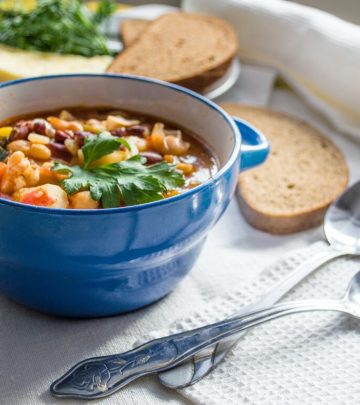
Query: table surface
{"type": "Point", "coordinates": [34, 348]}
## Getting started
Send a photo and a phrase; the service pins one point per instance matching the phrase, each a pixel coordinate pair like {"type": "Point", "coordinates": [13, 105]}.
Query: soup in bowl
{"type": "Point", "coordinates": [105, 205]}
{"type": "Point", "coordinates": [80, 158]}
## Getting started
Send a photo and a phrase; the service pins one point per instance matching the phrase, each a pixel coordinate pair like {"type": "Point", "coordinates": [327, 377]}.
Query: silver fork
{"type": "Point", "coordinates": [102, 376]}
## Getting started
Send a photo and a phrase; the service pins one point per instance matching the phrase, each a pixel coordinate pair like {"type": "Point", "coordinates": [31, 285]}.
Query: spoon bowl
{"type": "Point", "coordinates": [352, 295]}
{"type": "Point", "coordinates": [342, 221]}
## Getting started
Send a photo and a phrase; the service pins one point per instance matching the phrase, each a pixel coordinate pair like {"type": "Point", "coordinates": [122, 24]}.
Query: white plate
{"type": "Point", "coordinates": [225, 83]}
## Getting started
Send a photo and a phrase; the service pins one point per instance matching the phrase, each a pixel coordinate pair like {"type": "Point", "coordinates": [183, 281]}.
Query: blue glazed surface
{"type": "Point", "coordinates": [103, 262]}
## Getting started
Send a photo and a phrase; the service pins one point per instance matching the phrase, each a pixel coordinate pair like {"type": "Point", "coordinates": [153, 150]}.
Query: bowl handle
{"type": "Point", "coordinates": [254, 145]}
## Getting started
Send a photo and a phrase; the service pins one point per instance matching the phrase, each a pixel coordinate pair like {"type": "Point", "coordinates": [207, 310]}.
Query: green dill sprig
{"type": "Point", "coordinates": [59, 26]}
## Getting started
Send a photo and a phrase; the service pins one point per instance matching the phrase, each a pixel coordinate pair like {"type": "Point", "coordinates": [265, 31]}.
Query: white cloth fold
{"type": "Point", "coordinates": [309, 358]}
{"type": "Point", "coordinates": [317, 53]}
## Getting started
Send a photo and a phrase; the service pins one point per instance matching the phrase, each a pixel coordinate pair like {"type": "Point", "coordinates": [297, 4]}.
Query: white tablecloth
{"type": "Point", "coordinates": [35, 349]}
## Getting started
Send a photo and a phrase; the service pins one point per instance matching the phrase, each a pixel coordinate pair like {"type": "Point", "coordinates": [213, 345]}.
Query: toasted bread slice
{"type": "Point", "coordinates": [188, 49]}
{"type": "Point", "coordinates": [304, 174]}
{"type": "Point", "coordinates": [131, 30]}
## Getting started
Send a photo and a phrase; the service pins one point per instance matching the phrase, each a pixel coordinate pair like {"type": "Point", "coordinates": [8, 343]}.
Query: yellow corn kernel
{"type": "Point", "coordinates": [115, 157]}
{"type": "Point", "coordinates": [40, 139]}
{"type": "Point", "coordinates": [169, 158]}
{"type": "Point", "coordinates": [186, 168]}
{"type": "Point", "coordinates": [5, 132]}
{"type": "Point", "coordinates": [38, 151]}
{"type": "Point", "coordinates": [20, 144]}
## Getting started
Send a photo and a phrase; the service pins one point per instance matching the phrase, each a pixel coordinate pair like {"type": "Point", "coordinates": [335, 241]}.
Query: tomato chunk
{"type": "Point", "coordinates": [38, 198]}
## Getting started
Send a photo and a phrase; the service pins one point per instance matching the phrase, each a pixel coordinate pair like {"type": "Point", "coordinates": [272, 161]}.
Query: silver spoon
{"type": "Point", "coordinates": [101, 376]}
{"type": "Point", "coordinates": [342, 231]}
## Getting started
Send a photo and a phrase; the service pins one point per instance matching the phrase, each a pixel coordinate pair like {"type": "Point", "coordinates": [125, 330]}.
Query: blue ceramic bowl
{"type": "Point", "coordinates": [88, 263]}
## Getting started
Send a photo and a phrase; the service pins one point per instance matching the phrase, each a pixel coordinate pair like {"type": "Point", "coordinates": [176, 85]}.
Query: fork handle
{"type": "Point", "coordinates": [101, 376]}
{"type": "Point", "coordinates": [195, 369]}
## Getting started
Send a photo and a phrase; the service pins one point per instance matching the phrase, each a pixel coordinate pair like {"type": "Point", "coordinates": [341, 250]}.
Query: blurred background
{"type": "Point", "coordinates": [346, 9]}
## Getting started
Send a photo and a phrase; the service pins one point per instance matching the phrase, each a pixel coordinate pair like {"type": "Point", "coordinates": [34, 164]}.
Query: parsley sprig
{"type": "Point", "coordinates": [129, 182]}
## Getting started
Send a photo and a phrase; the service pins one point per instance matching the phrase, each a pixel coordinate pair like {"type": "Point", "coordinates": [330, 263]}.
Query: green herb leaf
{"type": "Point", "coordinates": [60, 26]}
{"type": "Point", "coordinates": [129, 182]}
{"type": "Point", "coordinates": [104, 10]}
{"type": "Point", "coordinates": [100, 145]}
{"type": "Point", "coordinates": [80, 179]}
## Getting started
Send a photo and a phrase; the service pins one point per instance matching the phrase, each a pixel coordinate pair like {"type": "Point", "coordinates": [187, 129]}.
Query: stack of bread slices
{"type": "Point", "coordinates": [191, 50]}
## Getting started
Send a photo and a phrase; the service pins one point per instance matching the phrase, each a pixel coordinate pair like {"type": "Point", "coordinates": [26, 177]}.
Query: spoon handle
{"type": "Point", "coordinates": [101, 376]}
{"type": "Point", "coordinates": [190, 372]}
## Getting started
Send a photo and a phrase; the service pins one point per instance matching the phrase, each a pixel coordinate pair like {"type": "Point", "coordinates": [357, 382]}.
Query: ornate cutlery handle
{"type": "Point", "coordinates": [195, 369]}
{"type": "Point", "coordinates": [101, 376]}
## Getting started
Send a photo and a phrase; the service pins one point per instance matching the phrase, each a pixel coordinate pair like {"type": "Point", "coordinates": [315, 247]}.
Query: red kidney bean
{"type": "Point", "coordinates": [120, 132]}
{"type": "Point", "coordinates": [152, 157]}
{"type": "Point", "coordinates": [138, 130]}
{"type": "Point", "coordinates": [61, 136]}
{"type": "Point", "coordinates": [21, 131]}
{"type": "Point", "coordinates": [58, 150]}
{"type": "Point", "coordinates": [80, 137]}
{"type": "Point", "coordinates": [39, 126]}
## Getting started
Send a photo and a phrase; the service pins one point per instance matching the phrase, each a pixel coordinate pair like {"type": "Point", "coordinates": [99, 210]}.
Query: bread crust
{"type": "Point", "coordinates": [288, 219]}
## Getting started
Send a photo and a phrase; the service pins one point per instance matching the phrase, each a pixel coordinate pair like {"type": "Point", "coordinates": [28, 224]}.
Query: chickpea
{"type": "Point", "coordinates": [83, 200]}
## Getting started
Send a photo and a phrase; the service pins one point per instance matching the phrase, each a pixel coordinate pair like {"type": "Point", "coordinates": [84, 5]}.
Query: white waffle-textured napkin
{"type": "Point", "coordinates": [311, 358]}
{"type": "Point", "coordinates": [317, 53]}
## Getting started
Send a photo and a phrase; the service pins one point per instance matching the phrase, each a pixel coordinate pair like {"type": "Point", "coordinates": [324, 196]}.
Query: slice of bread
{"type": "Point", "coordinates": [304, 174]}
{"type": "Point", "coordinates": [191, 50]}
{"type": "Point", "coordinates": [130, 30]}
